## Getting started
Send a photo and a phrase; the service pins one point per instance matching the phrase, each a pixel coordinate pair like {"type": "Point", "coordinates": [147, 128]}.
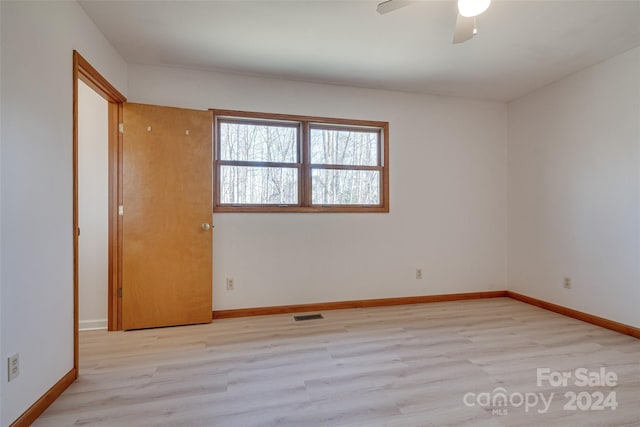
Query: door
{"type": "Point", "coordinates": [167, 210]}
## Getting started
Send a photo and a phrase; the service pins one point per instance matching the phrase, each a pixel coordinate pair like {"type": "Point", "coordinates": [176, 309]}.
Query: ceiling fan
{"type": "Point", "coordinates": [465, 24]}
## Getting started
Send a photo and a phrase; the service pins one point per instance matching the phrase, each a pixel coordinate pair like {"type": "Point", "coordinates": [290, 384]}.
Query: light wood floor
{"type": "Point", "coordinates": [393, 366]}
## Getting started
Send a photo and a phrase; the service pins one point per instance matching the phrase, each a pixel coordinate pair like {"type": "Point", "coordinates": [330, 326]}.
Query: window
{"type": "Point", "coordinates": [283, 163]}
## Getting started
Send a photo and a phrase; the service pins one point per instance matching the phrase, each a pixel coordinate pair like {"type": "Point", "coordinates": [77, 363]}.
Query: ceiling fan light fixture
{"type": "Point", "coordinates": [470, 8]}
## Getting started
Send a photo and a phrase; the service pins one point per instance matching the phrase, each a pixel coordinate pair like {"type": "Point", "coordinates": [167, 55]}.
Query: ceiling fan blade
{"type": "Point", "coordinates": [465, 29]}
{"type": "Point", "coordinates": [391, 5]}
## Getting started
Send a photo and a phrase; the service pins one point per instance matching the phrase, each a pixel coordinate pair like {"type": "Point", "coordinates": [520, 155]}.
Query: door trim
{"type": "Point", "coordinates": [84, 71]}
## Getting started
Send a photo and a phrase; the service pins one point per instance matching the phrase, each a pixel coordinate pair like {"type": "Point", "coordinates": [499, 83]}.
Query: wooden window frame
{"type": "Point", "coordinates": [304, 165]}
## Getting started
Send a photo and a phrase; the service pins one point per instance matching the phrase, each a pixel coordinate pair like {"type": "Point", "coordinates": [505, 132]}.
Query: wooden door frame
{"type": "Point", "coordinates": [84, 71]}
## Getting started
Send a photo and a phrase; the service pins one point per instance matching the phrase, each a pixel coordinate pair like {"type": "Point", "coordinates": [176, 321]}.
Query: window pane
{"type": "Point", "coordinates": [258, 143]}
{"type": "Point", "coordinates": [242, 185]}
{"type": "Point", "coordinates": [345, 187]}
{"type": "Point", "coordinates": [344, 147]}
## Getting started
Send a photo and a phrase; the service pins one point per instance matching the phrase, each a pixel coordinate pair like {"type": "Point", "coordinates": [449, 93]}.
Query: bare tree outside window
{"type": "Point", "coordinates": [247, 184]}
{"type": "Point", "coordinates": [344, 147]}
{"type": "Point", "coordinates": [243, 185]}
{"type": "Point", "coordinates": [280, 163]}
{"type": "Point", "coordinates": [258, 143]}
{"type": "Point", "coordinates": [345, 187]}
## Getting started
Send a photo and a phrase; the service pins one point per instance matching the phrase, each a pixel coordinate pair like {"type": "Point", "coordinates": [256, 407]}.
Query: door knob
{"type": "Point", "coordinates": [206, 227]}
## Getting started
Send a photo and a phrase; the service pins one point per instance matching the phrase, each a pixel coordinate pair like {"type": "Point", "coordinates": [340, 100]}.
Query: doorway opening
{"type": "Point", "coordinates": [93, 208]}
{"type": "Point", "coordinates": [85, 73]}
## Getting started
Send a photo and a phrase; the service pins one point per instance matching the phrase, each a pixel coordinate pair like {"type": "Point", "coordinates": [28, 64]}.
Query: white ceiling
{"type": "Point", "coordinates": [521, 45]}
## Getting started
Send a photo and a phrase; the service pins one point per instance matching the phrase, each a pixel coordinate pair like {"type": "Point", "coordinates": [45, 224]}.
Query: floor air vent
{"type": "Point", "coordinates": [308, 317]}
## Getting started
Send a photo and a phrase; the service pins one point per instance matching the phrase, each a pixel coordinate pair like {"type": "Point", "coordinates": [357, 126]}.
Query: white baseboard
{"type": "Point", "coordinates": [92, 325]}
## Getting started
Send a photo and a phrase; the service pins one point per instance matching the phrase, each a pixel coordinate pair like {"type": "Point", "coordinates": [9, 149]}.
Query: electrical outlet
{"type": "Point", "coordinates": [418, 273]}
{"type": "Point", "coordinates": [14, 366]}
{"type": "Point", "coordinates": [567, 282]}
{"type": "Point", "coordinates": [230, 284]}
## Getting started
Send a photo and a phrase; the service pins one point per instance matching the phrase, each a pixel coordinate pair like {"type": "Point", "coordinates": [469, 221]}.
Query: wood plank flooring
{"type": "Point", "coordinates": [391, 366]}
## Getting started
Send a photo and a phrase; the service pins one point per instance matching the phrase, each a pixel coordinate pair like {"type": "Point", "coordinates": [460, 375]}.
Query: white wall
{"type": "Point", "coordinates": [574, 190]}
{"type": "Point", "coordinates": [1, 84]}
{"type": "Point", "coordinates": [93, 207]}
{"type": "Point", "coordinates": [37, 258]}
{"type": "Point", "coordinates": [448, 197]}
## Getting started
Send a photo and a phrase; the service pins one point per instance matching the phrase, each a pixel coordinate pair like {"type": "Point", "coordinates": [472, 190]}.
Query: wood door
{"type": "Point", "coordinates": [167, 198]}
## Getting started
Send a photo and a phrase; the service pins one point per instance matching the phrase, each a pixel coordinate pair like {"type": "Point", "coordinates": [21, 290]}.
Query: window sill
{"type": "Point", "coordinates": [301, 209]}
